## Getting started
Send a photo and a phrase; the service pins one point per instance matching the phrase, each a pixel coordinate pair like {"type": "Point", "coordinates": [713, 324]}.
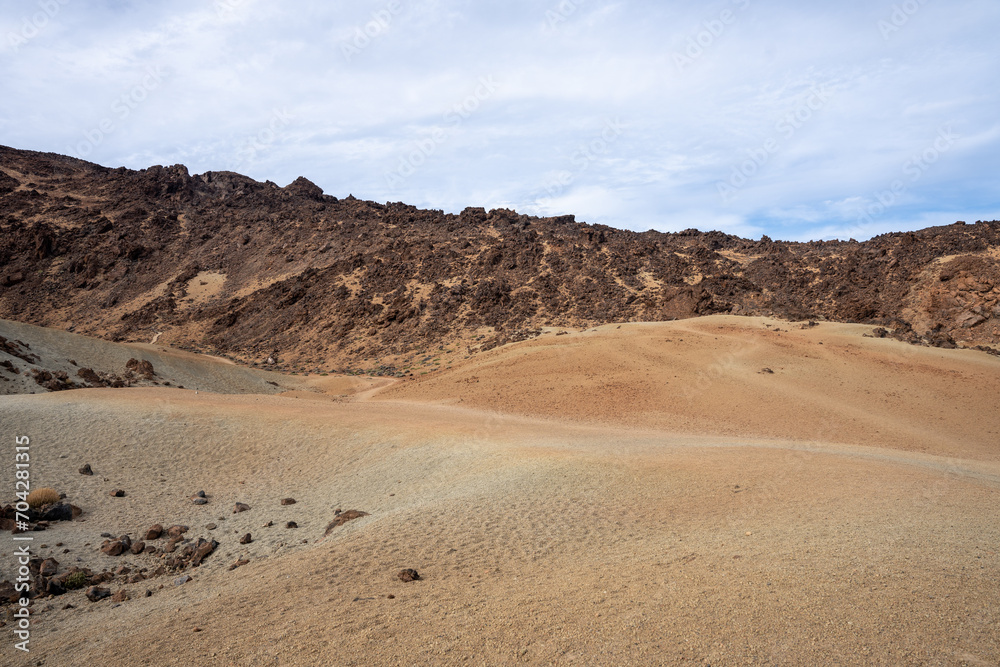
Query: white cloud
{"type": "Point", "coordinates": [749, 87]}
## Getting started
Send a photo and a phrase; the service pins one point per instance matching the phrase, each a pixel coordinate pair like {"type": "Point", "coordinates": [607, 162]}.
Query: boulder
{"type": "Point", "coordinates": [202, 549]}
{"type": "Point", "coordinates": [176, 530]}
{"type": "Point", "coordinates": [95, 593]}
{"type": "Point", "coordinates": [113, 547]}
{"type": "Point", "coordinates": [49, 567]}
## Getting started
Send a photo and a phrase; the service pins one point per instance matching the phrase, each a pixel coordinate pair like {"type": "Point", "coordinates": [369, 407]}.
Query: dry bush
{"type": "Point", "coordinates": [40, 497]}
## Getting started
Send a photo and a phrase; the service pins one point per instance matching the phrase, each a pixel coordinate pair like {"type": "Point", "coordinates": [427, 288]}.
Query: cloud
{"type": "Point", "coordinates": [778, 118]}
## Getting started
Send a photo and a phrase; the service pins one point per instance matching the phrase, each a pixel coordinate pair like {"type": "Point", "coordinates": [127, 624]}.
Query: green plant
{"type": "Point", "coordinates": [76, 580]}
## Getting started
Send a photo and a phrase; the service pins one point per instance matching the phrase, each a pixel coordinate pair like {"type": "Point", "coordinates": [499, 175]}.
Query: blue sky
{"type": "Point", "coordinates": [796, 120]}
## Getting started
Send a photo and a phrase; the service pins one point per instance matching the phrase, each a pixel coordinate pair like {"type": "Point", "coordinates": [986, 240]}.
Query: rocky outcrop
{"type": "Point", "coordinates": [309, 280]}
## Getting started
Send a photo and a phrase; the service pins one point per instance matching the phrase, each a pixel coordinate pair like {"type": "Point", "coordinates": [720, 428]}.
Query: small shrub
{"type": "Point", "coordinates": [40, 497]}
{"type": "Point", "coordinates": [76, 580]}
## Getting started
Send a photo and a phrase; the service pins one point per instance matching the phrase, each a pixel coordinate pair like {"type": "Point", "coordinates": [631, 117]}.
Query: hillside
{"type": "Point", "coordinates": [221, 263]}
{"type": "Point", "coordinates": [639, 495]}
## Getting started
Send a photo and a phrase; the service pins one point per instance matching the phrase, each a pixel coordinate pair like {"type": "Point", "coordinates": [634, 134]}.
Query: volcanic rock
{"type": "Point", "coordinates": [176, 531]}
{"type": "Point", "coordinates": [342, 518]}
{"type": "Point", "coordinates": [408, 575]}
{"type": "Point", "coordinates": [87, 236]}
{"type": "Point", "coordinates": [114, 548]}
{"type": "Point", "coordinates": [48, 567]}
{"type": "Point", "coordinates": [95, 593]}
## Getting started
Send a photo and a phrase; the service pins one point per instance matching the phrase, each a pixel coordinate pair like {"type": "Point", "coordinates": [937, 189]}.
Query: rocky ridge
{"type": "Point", "coordinates": [220, 263]}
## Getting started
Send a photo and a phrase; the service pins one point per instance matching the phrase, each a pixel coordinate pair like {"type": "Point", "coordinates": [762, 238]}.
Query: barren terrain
{"type": "Point", "coordinates": [642, 494]}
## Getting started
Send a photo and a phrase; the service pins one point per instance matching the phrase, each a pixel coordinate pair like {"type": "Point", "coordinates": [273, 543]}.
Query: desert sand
{"type": "Point", "coordinates": [638, 494]}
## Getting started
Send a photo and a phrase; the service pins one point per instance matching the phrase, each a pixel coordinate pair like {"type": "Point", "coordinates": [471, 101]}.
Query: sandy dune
{"type": "Point", "coordinates": [705, 376]}
{"type": "Point", "coordinates": [598, 498]}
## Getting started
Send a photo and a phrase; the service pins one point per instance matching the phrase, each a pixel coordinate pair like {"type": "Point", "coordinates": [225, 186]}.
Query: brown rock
{"type": "Point", "coordinates": [95, 593]}
{"type": "Point", "coordinates": [143, 368]}
{"type": "Point", "coordinates": [138, 548]}
{"type": "Point", "coordinates": [202, 549]}
{"type": "Point", "coordinates": [291, 524]}
{"type": "Point", "coordinates": [408, 575]}
{"type": "Point", "coordinates": [343, 517]}
{"type": "Point", "coordinates": [240, 507]}
{"type": "Point", "coordinates": [176, 531]}
{"type": "Point", "coordinates": [120, 596]}
{"type": "Point", "coordinates": [246, 539]}
{"type": "Point", "coordinates": [288, 501]}
{"type": "Point", "coordinates": [49, 567]}
{"type": "Point", "coordinates": [117, 493]}
{"type": "Point", "coordinates": [240, 563]}
{"type": "Point", "coordinates": [86, 470]}
{"type": "Point", "coordinates": [113, 547]}
{"type": "Point", "coordinates": [154, 532]}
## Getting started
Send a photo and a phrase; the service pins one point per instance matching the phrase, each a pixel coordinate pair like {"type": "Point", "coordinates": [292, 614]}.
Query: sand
{"type": "Point", "coordinates": [606, 497]}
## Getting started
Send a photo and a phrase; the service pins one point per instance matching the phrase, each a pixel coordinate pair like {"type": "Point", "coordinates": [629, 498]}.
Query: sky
{"type": "Point", "coordinates": [796, 120]}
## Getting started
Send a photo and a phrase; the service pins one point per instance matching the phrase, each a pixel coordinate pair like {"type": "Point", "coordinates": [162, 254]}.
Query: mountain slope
{"type": "Point", "coordinates": [219, 262]}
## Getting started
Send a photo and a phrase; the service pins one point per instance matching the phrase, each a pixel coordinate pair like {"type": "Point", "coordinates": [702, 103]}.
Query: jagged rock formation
{"type": "Point", "coordinates": [224, 263]}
